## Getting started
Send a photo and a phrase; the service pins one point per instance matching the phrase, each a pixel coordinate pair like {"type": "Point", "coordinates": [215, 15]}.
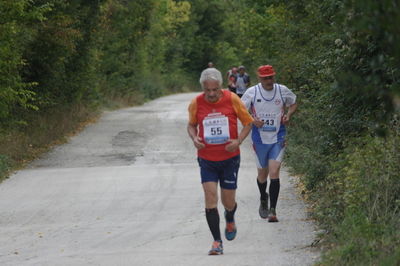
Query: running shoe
{"type": "Point", "coordinates": [230, 231]}
{"type": "Point", "coordinates": [216, 248]}
{"type": "Point", "coordinates": [263, 210]}
{"type": "Point", "coordinates": [272, 216]}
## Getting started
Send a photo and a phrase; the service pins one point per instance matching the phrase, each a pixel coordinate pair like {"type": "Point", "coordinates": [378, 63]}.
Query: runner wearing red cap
{"type": "Point", "coordinates": [213, 128]}
{"type": "Point", "coordinates": [272, 106]}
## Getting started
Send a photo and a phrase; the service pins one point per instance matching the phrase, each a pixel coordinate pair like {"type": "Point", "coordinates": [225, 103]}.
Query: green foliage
{"type": "Point", "coordinates": [56, 55]}
{"type": "Point", "coordinates": [122, 29]}
{"type": "Point", "coordinates": [366, 218]}
{"type": "Point", "coordinates": [4, 166]}
{"type": "Point", "coordinates": [361, 242]}
{"type": "Point", "coordinates": [15, 34]}
{"type": "Point", "coordinates": [61, 57]}
{"type": "Point", "coordinates": [341, 57]}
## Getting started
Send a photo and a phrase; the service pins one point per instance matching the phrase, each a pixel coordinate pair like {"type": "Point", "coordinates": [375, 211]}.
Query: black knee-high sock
{"type": "Point", "coordinates": [229, 215]}
{"type": "Point", "coordinates": [263, 189]}
{"type": "Point", "coordinates": [274, 191]}
{"type": "Point", "coordinates": [212, 216]}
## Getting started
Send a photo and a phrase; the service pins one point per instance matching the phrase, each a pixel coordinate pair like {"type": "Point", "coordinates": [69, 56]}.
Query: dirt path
{"type": "Point", "coordinates": [126, 191]}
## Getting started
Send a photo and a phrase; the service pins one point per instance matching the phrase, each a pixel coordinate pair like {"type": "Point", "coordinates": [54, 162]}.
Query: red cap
{"type": "Point", "coordinates": [265, 71]}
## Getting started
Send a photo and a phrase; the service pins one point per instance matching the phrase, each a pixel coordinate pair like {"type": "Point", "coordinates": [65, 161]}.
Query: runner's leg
{"type": "Point", "coordinates": [274, 164]}
{"type": "Point", "coordinates": [262, 182]}
{"type": "Point", "coordinates": [228, 199]}
{"type": "Point", "coordinates": [261, 154]}
{"type": "Point", "coordinates": [229, 202]}
{"type": "Point", "coordinates": [212, 215]}
{"type": "Point", "coordinates": [274, 186]}
{"type": "Point", "coordinates": [228, 183]}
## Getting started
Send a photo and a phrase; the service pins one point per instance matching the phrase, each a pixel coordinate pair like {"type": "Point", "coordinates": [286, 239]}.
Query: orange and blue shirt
{"type": "Point", "coordinates": [230, 106]}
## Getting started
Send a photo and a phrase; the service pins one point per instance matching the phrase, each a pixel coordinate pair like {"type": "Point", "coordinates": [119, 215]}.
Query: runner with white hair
{"type": "Point", "coordinates": [213, 128]}
{"type": "Point", "coordinates": [210, 74]}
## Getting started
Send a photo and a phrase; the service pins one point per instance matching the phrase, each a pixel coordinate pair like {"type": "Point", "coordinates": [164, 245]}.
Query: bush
{"type": "Point", "coordinates": [4, 166]}
{"type": "Point", "coordinates": [359, 202]}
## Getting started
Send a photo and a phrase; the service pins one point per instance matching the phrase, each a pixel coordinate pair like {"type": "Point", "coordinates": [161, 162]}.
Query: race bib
{"type": "Point", "coordinates": [216, 129]}
{"type": "Point", "coordinates": [269, 125]}
{"type": "Point", "coordinates": [269, 122]}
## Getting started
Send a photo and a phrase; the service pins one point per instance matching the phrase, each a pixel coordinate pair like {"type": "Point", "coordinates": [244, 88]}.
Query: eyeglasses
{"type": "Point", "coordinates": [267, 78]}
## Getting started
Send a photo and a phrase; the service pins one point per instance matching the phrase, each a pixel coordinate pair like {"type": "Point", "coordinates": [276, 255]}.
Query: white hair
{"type": "Point", "coordinates": [210, 74]}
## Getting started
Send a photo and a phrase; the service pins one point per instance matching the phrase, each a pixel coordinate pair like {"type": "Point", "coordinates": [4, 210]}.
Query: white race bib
{"type": "Point", "coordinates": [216, 129]}
{"type": "Point", "coordinates": [269, 122]}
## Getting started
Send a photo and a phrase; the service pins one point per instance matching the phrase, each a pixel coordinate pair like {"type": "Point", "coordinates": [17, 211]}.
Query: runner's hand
{"type": "Point", "coordinates": [285, 119]}
{"type": "Point", "coordinates": [197, 141]}
{"type": "Point", "coordinates": [233, 145]}
{"type": "Point", "coordinates": [257, 122]}
{"type": "Point", "coordinates": [284, 143]}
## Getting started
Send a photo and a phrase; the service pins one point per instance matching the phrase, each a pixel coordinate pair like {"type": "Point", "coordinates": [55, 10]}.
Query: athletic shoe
{"type": "Point", "coordinates": [272, 216]}
{"type": "Point", "coordinates": [216, 248]}
{"type": "Point", "coordinates": [230, 231]}
{"type": "Point", "coordinates": [263, 210]}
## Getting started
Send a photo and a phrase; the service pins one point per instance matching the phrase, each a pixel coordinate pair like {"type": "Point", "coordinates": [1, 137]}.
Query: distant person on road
{"type": "Point", "coordinates": [213, 128]}
{"type": "Point", "coordinates": [231, 77]}
{"type": "Point", "coordinates": [272, 106]}
{"type": "Point", "coordinates": [242, 81]}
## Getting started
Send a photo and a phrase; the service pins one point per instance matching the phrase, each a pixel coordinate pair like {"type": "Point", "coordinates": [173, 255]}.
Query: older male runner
{"type": "Point", "coordinates": [213, 128]}
{"type": "Point", "coordinates": [267, 102]}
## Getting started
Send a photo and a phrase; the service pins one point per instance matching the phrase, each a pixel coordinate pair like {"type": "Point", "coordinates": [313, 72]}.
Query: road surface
{"type": "Point", "coordinates": [126, 191]}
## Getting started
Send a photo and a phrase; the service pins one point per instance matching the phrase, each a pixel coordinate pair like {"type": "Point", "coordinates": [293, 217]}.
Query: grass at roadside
{"type": "Point", "coordinates": [20, 145]}
{"type": "Point", "coordinates": [357, 203]}
{"type": "Point", "coordinates": [25, 143]}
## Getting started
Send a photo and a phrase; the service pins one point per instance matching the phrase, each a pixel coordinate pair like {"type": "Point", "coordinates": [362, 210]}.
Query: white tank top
{"type": "Point", "coordinates": [240, 85]}
{"type": "Point", "coordinates": [270, 111]}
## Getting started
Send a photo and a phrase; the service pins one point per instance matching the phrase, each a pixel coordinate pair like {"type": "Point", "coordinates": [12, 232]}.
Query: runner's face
{"type": "Point", "coordinates": [212, 90]}
{"type": "Point", "coordinates": [267, 82]}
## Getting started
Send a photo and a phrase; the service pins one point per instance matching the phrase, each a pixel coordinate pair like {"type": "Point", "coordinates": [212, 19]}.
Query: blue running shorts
{"type": "Point", "coordinates": [223, 171]}
{"type": "Point", "coordinates": [266, 152]}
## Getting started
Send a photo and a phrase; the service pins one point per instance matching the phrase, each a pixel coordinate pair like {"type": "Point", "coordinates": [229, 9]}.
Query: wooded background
{"type": "Point", "coordinates": [63, 61]}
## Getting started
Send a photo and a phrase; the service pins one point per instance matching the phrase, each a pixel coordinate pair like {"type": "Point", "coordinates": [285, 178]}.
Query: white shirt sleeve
{"type": "Point", "coordinates": [248, 97]}
{"type": "Point", "coordinates": [288, 96]}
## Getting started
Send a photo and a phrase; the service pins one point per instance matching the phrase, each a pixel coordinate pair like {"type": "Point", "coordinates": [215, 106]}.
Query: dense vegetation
{"type": "Point", "coordinates": [342, 58]}
{"type": "Point", "coordinates": [60, 61]}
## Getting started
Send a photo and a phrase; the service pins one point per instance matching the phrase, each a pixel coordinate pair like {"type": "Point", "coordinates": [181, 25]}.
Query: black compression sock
{"type": "Point", "coordinates": [229, 215]}
{"type": "Point", "coordinates": [274, 191]}
{"type": "Point", "coordinates": [263, 189]}
{"type": "Point", "coordinates": [212, 216]}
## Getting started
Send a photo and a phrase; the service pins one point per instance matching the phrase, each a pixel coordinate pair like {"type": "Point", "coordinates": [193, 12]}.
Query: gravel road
{"type": "Point", "coordinates": [126, 191]}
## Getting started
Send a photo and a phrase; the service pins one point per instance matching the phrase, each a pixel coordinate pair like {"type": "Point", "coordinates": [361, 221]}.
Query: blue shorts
{"type": "Point", "coordinates": [266, 152]}
{"type": "Point", "coordinates": [223, 171]}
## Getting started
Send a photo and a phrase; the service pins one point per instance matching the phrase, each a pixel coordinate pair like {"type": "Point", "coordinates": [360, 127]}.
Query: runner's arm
{"type": "Point", "coordinates": [192, 126]}
{"type": "Point", "coordinates": [192, 131]}
{"type": "Point", "coordinates": [290, 102]}
{"type": "Point", "coordinates": [248, 81]}
{"type": "Point", "coordinates": [246, 120]}
{"type": "Point", "coordinates": [244, 132]}
{"type": "Point", "coordinates": [247, 98]}
{"type": "Point", "coordinates": [235, 143]}
{"type": "Point", "coordinates": [288, 115]}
